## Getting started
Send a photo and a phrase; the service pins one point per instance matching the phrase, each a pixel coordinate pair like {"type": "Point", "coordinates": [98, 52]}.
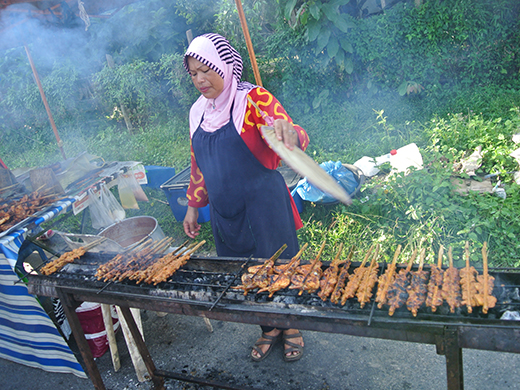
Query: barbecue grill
{"type": "Point", "coordinates": [206, 286]}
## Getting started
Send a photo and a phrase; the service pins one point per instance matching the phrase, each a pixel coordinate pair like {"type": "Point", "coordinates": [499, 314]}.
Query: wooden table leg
{"type": "Point", "coordinates": [69, 307]}
{"type": "Point", "coordinates": [141, 346]}
{"type": "Point", "coordinates": [111, 336]}
{"type": "Point", "coordinates": [140, 368]}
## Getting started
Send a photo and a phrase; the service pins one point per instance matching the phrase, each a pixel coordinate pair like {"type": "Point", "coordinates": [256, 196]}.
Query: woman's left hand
{"type": "Point", "coordinates": [285, 132]}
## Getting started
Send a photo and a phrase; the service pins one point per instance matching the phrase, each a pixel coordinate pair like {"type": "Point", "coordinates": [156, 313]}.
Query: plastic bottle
{"type": "Point", "coordinates": [385, 157]}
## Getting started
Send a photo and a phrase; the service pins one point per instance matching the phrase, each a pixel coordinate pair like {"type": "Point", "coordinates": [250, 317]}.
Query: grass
{"type": "Point", "coordinates": [417, 210]}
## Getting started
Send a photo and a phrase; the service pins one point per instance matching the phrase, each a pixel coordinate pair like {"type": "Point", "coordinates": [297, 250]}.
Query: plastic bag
{"type": "Point", "coordinates": [105, 210]}
{"type": "Point", "coordinates": [344, 176]}
{"type": "Point", "coordinates": [130, 191]}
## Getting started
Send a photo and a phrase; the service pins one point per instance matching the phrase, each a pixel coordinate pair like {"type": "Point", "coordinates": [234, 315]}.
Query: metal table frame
{"type": "Point", "coordinates": [449, 339]}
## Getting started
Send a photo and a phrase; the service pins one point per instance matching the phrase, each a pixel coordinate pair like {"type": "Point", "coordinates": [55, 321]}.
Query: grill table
{"type": "Point", "coordinates": [450, 333]}
{"type": "Point", "coordinates": [20, 308]}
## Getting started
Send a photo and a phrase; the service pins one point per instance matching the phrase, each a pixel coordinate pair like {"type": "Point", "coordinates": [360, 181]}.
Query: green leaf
{"type": "Point", "coordinates": [402, 88]}
{"type": "Point", "coordinates": [289, 8]}
{"type": "Point", "coordinates": [346, 45]}
{"type": "Point", "coordinates": [332, 47]}
{"type": "Point", "coordinates": [340, 58]}
{"type": "Point", "coordinates": [330, 12]}
{"type": "Point", "coordinates": [323, 40]}
{"type": "Point", "coordinates": [342, 23]}
{"type": "Point", "coordinates": [314, 9]}
{"type": "Point", "coordinates": [349, 65]}
{"type": "Point", "coordinates": [313, 29]}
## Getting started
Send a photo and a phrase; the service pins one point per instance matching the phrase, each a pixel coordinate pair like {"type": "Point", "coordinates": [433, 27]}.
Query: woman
{"type": "Point", "coordinates": [234, 170]}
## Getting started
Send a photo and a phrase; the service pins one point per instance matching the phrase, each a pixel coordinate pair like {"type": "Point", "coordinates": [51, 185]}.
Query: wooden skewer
{"type": "Point", "coordinates": [439, 258]}
{"type": "Point", "coordinates": [366, 276]}
{"type": "Point", "coordinates": [381, 297]}
{"type": "Point", "coordinates": [485, 306]}
{"type": "Point", "coordinates": [421, 259]}
{"type": "Point", "coordinates": [450, 257]}
{"type": "Point", "coordinates": [412, 259]}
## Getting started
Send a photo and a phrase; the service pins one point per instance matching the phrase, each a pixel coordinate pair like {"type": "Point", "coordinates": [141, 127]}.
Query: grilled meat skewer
{"type": "Point", "coordinates": [368, 281]}
{"type": "Point", "coordinates": [310, 280]}
{"type": "Point", "coordinates": [262, 274]}
{"type": "Point", "coordinates": [330, 276]}
{"type": "Point", "coordinates": [398, 292]}
{"type": "Point", "coordinates": [468, 283]}
{"type": "Point", "coordinates": [417, 290]}
{"type": "Point", "coordinates": [349, 291]}
{"type": "Point", "coordinates": [451, 285]}
{"type": "Point", "coordinates": [434, 297]}
{"type": "Point", "coordinates": [485, 285]}
{"type": "Point", "coordinates": [336, 294]}
{"type": "Point", "coordinates": [386, 280]}
{"type": "Point", "coordinates": [59, 263]}
{"type": "Point", "coordinates": [283, 279]}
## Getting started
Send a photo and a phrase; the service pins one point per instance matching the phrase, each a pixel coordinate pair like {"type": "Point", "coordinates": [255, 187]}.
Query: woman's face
{"type": "Point", "coordinates": [206, 80]}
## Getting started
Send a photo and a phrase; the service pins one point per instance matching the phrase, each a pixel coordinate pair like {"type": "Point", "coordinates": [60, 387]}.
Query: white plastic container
{"type": "Point", "coordinates": [400, 160]}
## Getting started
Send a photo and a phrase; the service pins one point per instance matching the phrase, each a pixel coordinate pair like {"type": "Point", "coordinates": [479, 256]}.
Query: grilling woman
{"type": "Point", "coordinates": [234, 170]}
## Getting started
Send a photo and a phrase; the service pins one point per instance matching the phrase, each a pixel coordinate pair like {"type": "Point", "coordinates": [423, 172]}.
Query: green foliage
{"type": "Point", "coordinates": [460, 135]}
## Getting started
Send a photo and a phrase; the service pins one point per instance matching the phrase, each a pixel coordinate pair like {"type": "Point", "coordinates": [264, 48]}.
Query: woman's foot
{"type": "Point", "coordinates": [293, 345]}
{"type": "Point", "coordinates": [264, 344]}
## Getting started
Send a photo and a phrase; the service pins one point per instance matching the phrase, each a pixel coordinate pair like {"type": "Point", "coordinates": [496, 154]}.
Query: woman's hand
{"type": "Point", "coordinates": [286, 133]}
{"type": "Point", "coordinates": [191, 227]}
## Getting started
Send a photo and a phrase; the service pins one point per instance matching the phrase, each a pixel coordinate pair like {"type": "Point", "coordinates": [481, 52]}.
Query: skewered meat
{"type": "Point", "coordinates": [283, 279]}
{"type": "Point", "coordinates": [368, 281]}
{"type": "Point", "coordinates": [336, 294]}
{"type": "Point", "coordinates": [156, 266]}
{"type": "Point", "coordinates": [485, 285]}
{"type": "Point", "coordinates": [17, 210]}
{"type": "Point", "coordinates": [451, 285]}
{"type": "Point", "coordinates": [173, 263]}
{"type": "Point", "coordinates": [418, 287]}
{"type": "Point", "coordinates": [330, 276]}
{"type": "Point", "coordinates": [386, 280]}
{"type": "Point", "coordinates": [434, 297]}
{"type": "Point", "coordinates": [64, 259]}
{"type": "Point", "coordinates": [355, 278]}
{"type": "Point", "coordinates": [310, 280]}
{"type": "Point", "coordinates": [260, 278]}
{"type": "Point", "coordinates": [398, 292]}
{"type": "Point", "coordinates": [468, 283]}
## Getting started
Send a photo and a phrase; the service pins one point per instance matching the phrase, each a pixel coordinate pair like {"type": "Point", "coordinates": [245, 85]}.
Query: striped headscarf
{"type": "Point", "coordinates": [214, 51]}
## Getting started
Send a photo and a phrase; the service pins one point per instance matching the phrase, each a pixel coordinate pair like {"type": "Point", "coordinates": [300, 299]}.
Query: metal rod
{"type": "Point", "coordinates": [200, 381]}
{"type": "Point", "coordinates": [374, 299]}
{"type": "Point", "coordinates": [230, 283]}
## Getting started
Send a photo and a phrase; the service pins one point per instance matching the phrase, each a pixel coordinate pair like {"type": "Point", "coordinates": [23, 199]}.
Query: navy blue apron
{"type": "Point", "coordinates": [250, 205]}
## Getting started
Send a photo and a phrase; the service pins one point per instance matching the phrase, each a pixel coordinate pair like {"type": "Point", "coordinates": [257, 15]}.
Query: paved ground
{"type": "Point", "coordinates": [331, 362]}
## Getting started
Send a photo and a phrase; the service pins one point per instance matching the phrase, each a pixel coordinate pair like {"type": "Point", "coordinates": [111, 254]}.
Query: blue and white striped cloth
{"type": "Point", "coordinates": [27, 334]}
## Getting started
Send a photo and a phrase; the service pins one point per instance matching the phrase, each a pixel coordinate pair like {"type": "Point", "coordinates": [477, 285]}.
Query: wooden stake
{"type": "Point", "coordinates": [137, 360]}
{"type": "Point", "coordinates": [45, 103]}
{"type": "Point", "coordinates": [249, 44]}
{"type": "Point", "coordinates": [111, 336]}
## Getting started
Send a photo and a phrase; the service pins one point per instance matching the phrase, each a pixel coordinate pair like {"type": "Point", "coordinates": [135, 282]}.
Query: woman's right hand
{"type": "Point", "coordinates": [191, 227]}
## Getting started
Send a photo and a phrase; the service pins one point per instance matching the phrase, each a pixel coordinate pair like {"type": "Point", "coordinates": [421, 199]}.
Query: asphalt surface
{"type": "Point", "coordinates": [184, 345]}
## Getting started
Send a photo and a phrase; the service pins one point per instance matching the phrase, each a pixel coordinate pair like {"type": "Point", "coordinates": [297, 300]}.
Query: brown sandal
{"type": "Point", "coordinates": [293, 347]}
{"type": "Point", "coordinates": [269, 340]}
